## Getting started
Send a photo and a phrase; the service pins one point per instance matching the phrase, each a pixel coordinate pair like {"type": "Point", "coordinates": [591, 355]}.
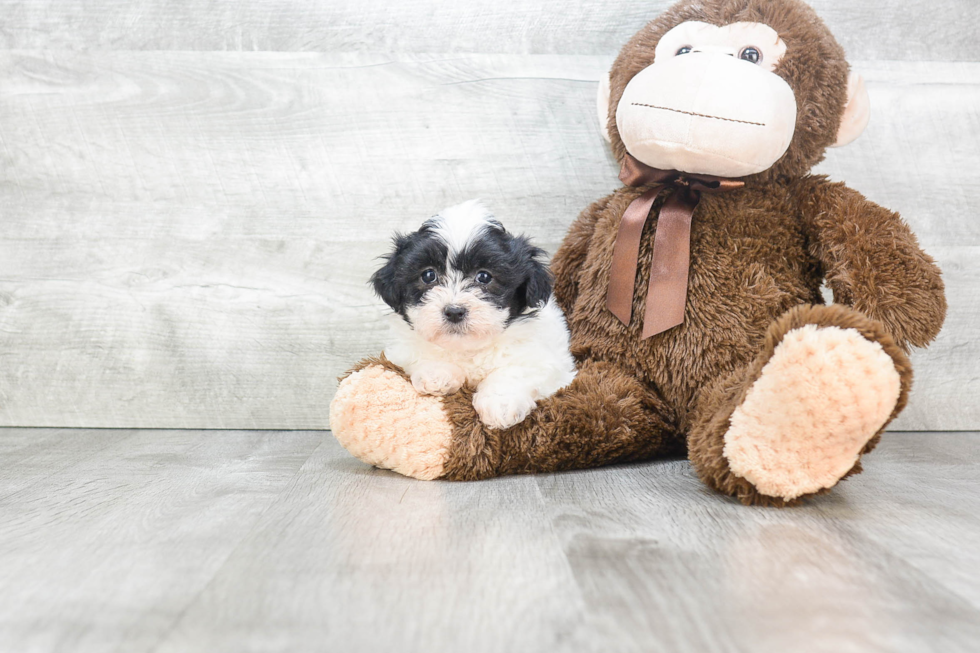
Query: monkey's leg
{"type": "Point", "coordinates": [605, 416]}
{"type": "Point", "coordinates": [798, 419]}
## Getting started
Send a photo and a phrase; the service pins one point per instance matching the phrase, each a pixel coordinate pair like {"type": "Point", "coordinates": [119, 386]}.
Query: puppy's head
{"type": "Point", "coordinates": [462, 279]}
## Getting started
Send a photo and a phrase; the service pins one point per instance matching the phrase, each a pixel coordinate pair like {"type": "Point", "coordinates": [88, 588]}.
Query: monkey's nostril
{"type": "Point", "coordinates": [454, 313]}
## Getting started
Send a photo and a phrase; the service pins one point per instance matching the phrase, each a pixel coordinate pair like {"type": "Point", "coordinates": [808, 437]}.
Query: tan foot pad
{"type": "Point", "coordinates": [824, 393]}
{"type": "Point", "coordinates": [379, 417]}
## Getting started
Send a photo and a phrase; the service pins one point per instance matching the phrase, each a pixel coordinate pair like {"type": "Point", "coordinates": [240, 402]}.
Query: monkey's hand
{"type": "Point", "coordinates": [873, 262]}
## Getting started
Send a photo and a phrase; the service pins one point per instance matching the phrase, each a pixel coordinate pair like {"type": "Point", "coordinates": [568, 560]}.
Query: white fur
{"type": "Point", "coordinates": [462, 224]}
{"type": "Point", "coordinates": [509, 366]}
{"type": "Point", "coordinates": [526, 362]}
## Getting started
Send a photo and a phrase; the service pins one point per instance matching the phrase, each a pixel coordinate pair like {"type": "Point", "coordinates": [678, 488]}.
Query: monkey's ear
{"type": "Point", "coordinates": [602, 106]}
{"type": "Point", "coordinates": [857, 113]}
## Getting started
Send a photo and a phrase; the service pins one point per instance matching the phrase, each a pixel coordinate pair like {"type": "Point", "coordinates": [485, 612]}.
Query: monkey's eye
{"type": "Point", "coordinates": [483, 277]}
{"type": "Point", "coordinates": [750, 54]}
{"type": "Point", "coordinates": [685, 50]}
{"type": "Point", "coordinates": [429, 276]}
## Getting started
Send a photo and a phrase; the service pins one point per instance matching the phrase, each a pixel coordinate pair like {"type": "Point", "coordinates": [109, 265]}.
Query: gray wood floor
{"type": "Point", "coordinates": [140, 540]}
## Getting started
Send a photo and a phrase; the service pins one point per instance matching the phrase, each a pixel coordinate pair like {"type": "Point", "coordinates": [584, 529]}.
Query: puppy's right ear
{"type": "Point", "coordinates": [385, 280]}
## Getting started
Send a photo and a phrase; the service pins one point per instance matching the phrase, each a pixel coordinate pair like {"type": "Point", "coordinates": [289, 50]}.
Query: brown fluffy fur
{"type": "Point", "coordinates": [758, 258]}
{"type": "Point", "coordinates": [719, 400]}
{"type": "Point", "coordinates": [814, 66]}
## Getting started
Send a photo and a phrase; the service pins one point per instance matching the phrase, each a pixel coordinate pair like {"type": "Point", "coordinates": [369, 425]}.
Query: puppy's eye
{"type": "Point", "coordinates": [685, 50]}
{"type": "Point", "coordinates": [483, 277]}
{"type": "Point", "coordinates": [429, 276]}
{"type": "Point", "coordinates": [750, 54]}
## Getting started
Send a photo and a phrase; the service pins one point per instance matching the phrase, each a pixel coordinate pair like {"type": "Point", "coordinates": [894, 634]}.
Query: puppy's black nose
{"type": "Point", "coordinates": [454, 314]}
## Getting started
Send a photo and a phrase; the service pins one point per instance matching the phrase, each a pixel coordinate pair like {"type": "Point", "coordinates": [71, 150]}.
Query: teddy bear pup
{"type": "Point", "coordinates": [472, 307]}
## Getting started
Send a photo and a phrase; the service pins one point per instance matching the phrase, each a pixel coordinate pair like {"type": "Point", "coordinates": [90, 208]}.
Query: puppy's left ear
{"type": "Point", "coordinates": [537, 279]}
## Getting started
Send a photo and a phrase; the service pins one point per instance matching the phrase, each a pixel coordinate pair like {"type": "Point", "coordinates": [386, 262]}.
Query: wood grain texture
{"type": "Point", "coordinates": [103, 554]}
{"type": "Point", "coordinates": [910, 30]}
{"type": "Point", "coordinates": [242, 541]}
{"type": "Point", "coordinates": [186, 237]}
{"type": "Point", "coordinates": [947, 374]}
{"type": "Point", "coordinates": [824, 578]}
{"type": "Point", "coordinates": [30, 455]}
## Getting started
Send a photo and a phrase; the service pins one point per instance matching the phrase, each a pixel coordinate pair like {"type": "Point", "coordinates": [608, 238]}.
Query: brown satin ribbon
{"type": "Point", "coordinates": [667, 292]}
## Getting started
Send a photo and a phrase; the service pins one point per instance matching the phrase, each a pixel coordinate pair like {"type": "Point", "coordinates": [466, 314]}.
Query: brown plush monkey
{"type": "Point", "coordinates": [693, 294]}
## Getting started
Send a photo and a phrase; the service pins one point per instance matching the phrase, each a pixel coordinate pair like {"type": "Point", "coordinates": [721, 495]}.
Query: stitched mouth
{"type": "Point", "coordinates": [699, 115]}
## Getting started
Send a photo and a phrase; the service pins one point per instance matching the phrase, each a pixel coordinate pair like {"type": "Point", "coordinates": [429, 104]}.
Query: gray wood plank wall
{"type": "Point", "coordinates": [192, 195]}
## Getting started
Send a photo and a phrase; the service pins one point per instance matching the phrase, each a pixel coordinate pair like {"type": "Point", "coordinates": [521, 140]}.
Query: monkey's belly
{"type": "Point", "coordinates": [728, 310]}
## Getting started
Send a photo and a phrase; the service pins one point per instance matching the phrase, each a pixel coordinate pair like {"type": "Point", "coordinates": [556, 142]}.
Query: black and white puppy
{"type": "Point", "coordinates": [473, 307]}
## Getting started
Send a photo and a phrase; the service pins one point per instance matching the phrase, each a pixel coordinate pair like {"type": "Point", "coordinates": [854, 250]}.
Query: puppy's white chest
{"type": "Point", "coordinates": [477, 367]}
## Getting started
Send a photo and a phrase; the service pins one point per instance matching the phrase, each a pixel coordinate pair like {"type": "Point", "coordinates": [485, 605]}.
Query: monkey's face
{"type": "Point", "coordinates": [710, 103]}
{"type": "Point", "coordinates": [732, 88]}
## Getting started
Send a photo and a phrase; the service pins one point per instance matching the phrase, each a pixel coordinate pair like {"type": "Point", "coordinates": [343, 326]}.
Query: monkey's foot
{"type": "Point", "coordinates": [379, 417]}
{"type": "Point", "coordinates": [824, 393]}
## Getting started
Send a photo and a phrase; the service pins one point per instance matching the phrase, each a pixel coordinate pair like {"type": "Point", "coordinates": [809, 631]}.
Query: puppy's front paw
{"type": "Point", "coordinates": [438, 379]}
{"type": "Point", "coordinates": [501, 411]}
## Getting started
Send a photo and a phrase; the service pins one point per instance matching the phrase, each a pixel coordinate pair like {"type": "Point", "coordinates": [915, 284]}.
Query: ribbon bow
{"type": "Point", "coordinates": [667, 293]}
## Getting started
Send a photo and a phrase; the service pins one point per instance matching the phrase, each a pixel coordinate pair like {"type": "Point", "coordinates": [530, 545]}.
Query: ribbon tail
{"type": "Point", "coordinates": [667, 292]}
{"type": "Point", "coordinates": [622, 273]}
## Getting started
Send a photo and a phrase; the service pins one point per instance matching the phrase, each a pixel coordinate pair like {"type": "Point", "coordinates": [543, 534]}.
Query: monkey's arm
{"type": "Point", "coordinates": [570, 257]}
{"type": "Point", "coordinates": [872, 261]}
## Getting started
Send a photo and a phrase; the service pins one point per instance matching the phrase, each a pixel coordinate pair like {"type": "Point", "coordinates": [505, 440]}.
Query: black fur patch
{"type": "Point", "coordinates": [521, 280]}
{"type": "Point", "coordinates": [399, 281]}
